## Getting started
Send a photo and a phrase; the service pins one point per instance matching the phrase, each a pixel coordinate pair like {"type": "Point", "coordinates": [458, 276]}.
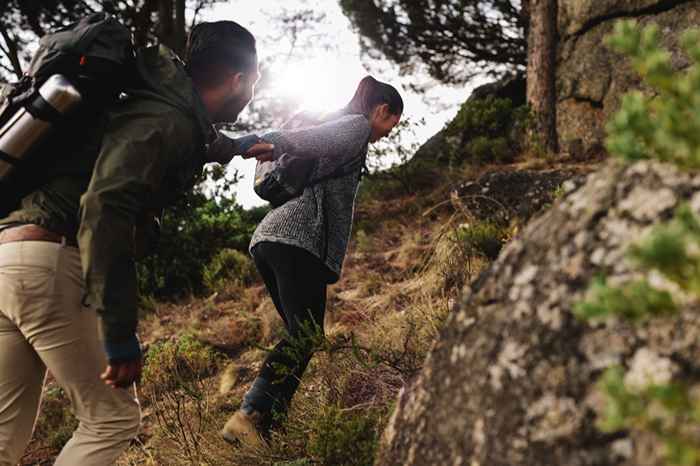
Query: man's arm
{"type": "Point", "coordinates": [136, 151]}
{"type": "Point", "coordinates": [223, 148]}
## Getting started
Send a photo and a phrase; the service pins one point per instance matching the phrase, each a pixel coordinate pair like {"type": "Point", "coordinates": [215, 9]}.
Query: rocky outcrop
{"type": "Point", "coordinates": [504, 195]}
{"type": "Point", "coordinates": [591, 79]}
{"type": "Point", "coordinates": [512, 379]}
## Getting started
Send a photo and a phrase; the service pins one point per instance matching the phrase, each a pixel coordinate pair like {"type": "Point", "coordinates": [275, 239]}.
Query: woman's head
{"type": "Point", "coordinates": [381, 103]}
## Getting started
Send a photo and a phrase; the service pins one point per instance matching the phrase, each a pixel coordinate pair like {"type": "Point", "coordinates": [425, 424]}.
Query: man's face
{"type": "Point", "coordinates": [240, 92]}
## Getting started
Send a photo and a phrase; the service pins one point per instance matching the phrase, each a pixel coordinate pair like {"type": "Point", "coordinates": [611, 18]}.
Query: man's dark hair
{"type": "Point", "coordinates": [215, 48]}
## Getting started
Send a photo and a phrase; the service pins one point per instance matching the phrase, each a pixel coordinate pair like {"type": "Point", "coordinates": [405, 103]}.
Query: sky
{"type": "Point", "coordinates": [323, 70]}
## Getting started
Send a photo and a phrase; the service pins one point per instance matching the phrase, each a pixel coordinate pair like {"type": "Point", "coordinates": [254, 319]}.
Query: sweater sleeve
{"type": "Point", "coordinates": [331, 144]}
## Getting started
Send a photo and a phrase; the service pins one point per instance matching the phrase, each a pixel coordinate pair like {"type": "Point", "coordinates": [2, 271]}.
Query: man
{"type": "Point", "coordinates": [67, 254]}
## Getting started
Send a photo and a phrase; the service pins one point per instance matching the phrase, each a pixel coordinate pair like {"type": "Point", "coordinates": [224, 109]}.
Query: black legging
{"type": "Point", "coordinates": [296, 280]}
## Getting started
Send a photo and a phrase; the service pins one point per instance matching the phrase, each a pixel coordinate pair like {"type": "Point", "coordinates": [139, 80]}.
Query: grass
{"type": "Point", "coordinates": [408, 261]}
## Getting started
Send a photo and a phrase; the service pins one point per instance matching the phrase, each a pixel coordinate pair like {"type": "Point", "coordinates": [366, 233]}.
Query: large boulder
{"type": "Point", "coordinates": [591, 79]}
{"type": "Point", "coordinates": [501, 196]}
{"type": "Point", "coordinates": [511, 380]}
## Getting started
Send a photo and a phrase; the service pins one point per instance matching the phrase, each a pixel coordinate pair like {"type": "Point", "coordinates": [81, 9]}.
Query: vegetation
{"type": "Point", "coordinates": [22, 22]}
{"type": "Point", "coordinates": [455, 39]}
{"type": "Point", "coordinates": [189, 258]}
{"type": "Point", "coordinates": [488, 130]}
{"type": "Point", "coordinates": [665, 127]}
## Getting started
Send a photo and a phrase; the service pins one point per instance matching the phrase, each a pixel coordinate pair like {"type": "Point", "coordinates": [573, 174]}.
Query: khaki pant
{"type": "Point", "coordinates": [43, 325]}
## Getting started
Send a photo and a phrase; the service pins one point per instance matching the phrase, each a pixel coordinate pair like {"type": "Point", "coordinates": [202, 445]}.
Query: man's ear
{"type": "Point", "coordinates": [235, 82]}
{"type": "Point", "coordinates": [383, 111]}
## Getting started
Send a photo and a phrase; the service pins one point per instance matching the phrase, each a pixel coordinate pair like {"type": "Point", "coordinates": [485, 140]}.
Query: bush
{"type": "Point", "coordinates": [340, 438]}
{"type": "Point", "coordinates": [667, 128]}
{"type": "Point", "coordinates": [171, 365]}
{"type": "Point", "coordinates": [193, 232]}
{"type": "Point", "coordinates": [483, 238]}
{"type": "Point", "coordinates": [488, 130]}
{"type": "Point", "coordinates": [229, 267]}
{"type": "Point", "coordinates": [56, 422]}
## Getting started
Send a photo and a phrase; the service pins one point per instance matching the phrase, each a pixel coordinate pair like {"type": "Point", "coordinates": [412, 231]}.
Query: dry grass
{"type": "Point", "coordinates": [401, 278]}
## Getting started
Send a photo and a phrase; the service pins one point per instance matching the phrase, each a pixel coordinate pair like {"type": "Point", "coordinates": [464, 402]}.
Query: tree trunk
{"type": "Point", "coordinates": [165, 20]}
{"type": "Point", "coordinates": [541, 70]}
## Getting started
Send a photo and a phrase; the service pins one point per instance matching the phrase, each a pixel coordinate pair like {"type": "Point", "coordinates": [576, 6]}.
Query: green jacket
{"type": "Point", "coordinates": [147, 150]}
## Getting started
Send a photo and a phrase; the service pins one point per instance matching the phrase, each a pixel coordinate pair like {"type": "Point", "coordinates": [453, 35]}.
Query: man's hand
{"type": "Point", "coordinates": [122, 374]}
{"type": "Point", "coordinates": [125, 362]}
{"type": "Point", "coordinates": [262, 151]}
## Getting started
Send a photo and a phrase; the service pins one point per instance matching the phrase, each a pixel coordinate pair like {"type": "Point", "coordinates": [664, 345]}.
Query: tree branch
{"type": "Point", "coordinates": [11, 51]}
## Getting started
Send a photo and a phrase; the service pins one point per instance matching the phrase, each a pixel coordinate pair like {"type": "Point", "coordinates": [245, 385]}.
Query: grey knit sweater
{"type": "Point", "coordinates": [319, 220]}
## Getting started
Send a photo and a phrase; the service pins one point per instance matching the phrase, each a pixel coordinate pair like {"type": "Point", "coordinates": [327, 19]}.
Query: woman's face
{"type": "Point", "coordinates": [382, 122]}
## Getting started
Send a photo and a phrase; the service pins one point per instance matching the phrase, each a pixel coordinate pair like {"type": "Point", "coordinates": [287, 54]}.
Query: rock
{"type": "Point", "coordinates": [511, 380]}
{"type": "Point", "coordinates": [591, 79]}
{"type": "Point", "coordinates": [502, 195]}
{"type": "Point", "coordinates": [513, 88]}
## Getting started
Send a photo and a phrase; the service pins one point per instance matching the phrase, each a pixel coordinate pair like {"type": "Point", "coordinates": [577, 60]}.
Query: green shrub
{"type": "Point", "coordinates": [229, 266]}
{"type": "Point", "coordinates": [171, 365]}
{"type": "Point", "coordinates": [665, 127]}
{"type": "Point", "coordinates": [483, 238]}
{"type": "Point", "coordinates": [343, 438]}
{"type": "Point", "coordinates": [56, 422]}
{"type": "Point", "coordinates": [193, 232]}
{"type": "Point", "coordinates": [488, 130]}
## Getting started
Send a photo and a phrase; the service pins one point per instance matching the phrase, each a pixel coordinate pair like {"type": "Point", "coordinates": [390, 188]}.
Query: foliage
{"type": "Point", "coordinates": [669, 411]}
{"type": "Point", "coordinates": [391, 163]}
{"type": "Point", "coordinates": [23, 22]}
{"type": "Point", "coordinates": [481, 238]}
{"type": "Point", "coordinates": [667, 128]}
{"type": "Point", "coordinates": [487, 130]}
{"type": "Point", "coordinates": [229, 266]}
{"type": "Point", "coordinates": [56, 423]}
{"type": "Point", "coordinates": [664, 126]}
{"type": "Point", "coordinates": [636, 301]}
{"type": "Point", "coordinates": [193, 232]}
{"type": "Point", "coordinates": [455, 39]}
{"type": "Point", "coordinates": [174, 383]}
{"type": "Point", "coordinates": [344, 438]}
{"type": "Point", "coordinates": [172, 365]}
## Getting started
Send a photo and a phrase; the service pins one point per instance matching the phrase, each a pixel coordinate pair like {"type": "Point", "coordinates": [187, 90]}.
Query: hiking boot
{"type": "Point", "coordinates": [245, 428]}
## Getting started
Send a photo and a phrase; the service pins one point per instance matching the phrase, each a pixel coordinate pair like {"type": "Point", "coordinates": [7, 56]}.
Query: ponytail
{"type": "Point", "coordinates": [370, 93]}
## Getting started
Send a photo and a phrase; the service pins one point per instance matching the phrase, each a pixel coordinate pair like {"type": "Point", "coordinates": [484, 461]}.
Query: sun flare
{"type": "Point", "coordinates": [318, 85]}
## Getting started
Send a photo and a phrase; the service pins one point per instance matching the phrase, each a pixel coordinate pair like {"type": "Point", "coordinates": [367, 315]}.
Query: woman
{"type": "Point", "coordinates": [299, 246]}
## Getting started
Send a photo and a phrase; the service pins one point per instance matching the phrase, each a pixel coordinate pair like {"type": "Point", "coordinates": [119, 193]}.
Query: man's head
{"type": "Point", "coordinates": [222, 60]}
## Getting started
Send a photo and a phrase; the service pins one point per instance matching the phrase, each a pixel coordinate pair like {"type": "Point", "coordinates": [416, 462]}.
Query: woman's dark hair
{"type": "Point", "coordinates": [371, 93]}
{"type": "Point", "coordinates": [216, 47]}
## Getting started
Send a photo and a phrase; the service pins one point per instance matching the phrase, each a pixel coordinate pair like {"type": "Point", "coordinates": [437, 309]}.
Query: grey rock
{"type": "Point", "coordinates": [522, 369]}
{"type": "Point", "coordinates": [591, 79]}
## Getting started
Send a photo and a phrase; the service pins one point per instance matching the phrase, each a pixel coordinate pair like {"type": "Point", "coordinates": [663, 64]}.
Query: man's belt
{"type": "Point", "coordinates": [33, 233]}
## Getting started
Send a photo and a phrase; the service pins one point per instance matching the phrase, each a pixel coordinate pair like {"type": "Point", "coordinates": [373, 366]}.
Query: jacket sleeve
{"type": "Point", "coordinates": [332, 144]}
{"type": "Point", "coordinates": [137, 149]}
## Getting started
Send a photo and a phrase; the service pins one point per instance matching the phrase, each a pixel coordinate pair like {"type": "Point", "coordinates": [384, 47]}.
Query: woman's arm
{"type": "Point", "coordinates": [331, 144]}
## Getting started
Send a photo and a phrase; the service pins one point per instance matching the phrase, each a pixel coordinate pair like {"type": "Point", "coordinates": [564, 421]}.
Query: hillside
{"type": "Point", "coordinates": [410, 257]}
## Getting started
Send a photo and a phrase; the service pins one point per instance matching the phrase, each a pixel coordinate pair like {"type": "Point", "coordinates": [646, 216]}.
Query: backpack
{"type": "Point", "coordinates": [285, 178]}
{"type": "Point", "coordinates": [95, 58]}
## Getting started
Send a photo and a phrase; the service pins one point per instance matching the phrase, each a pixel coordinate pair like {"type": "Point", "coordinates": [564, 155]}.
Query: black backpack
{"type": "Point", "coordinates": [96, 55]}
{"type": "Point", "coordinates": [285, 178]}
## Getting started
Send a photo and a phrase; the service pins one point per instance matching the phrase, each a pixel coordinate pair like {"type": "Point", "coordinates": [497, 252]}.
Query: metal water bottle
{"type": "Point", "coordinates": [33, 122]}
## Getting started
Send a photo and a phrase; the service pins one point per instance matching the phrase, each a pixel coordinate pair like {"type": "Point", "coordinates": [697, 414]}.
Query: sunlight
{"type": "Point", "coordinates": [319, 85]}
